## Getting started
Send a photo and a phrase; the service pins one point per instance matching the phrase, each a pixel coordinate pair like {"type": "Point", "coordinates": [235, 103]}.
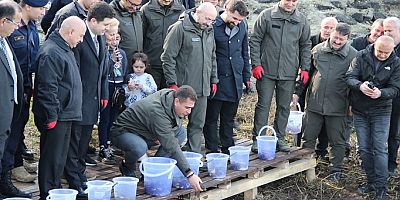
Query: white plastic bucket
{"type": "Point", "coordinates": [99, 189]}
{"type": "Point", "coordinates": [61, 194]}
{"type": "Point", "coordinates": [125, 188]}
{"type": "Point", "coordinates": [266, 144]}
{"type": "Point", "coordinates": [295, 121]}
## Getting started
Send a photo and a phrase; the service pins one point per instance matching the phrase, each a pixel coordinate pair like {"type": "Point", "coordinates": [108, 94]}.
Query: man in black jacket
{"type": "Point", "coordinates": [362, 42]}
{"type": "Point", "coordinates": [391, 26]}
{"type": "Point", "coordinates": [57, 101]}
{"type": "Point", "coordinates": [90, 56]}
{"type": "Point", "coordinates": [374, 80]}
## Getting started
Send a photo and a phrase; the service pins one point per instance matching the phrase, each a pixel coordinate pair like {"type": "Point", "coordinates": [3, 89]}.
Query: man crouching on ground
{"type": "Point", "coordinates": [156, 119]}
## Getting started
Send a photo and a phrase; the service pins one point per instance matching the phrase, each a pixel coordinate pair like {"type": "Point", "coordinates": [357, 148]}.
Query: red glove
{"type": "Point", "coordinates": [104, 102]}
{"type": "Point", "coordinates": [52, 124]}
{"type": "Point", "coordinates": [175, 87]}
{"type": "Point", "coordinates": [258, 71]}
{"type": "Point", "coordinates": [214, 88]}
{"type": "Point", "coordinates": [304, 76]}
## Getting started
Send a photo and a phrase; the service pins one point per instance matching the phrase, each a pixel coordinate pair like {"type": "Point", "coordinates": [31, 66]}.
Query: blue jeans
{"type": "Point", "coordinates": [135, 146]}
{"type": "Point", "coordinates": [372, 136]}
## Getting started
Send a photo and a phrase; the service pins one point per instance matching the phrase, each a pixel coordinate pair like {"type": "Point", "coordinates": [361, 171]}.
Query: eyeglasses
{"type": "Point", "coordinates": [11, 21]}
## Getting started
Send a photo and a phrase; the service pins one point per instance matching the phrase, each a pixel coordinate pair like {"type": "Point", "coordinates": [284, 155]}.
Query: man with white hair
{"type": "Point", "coordinates": [57, 100]}
{"type": "Point", "coordinates": [391, 26]}
{"type": "Point", "coordinates": [189, 59]}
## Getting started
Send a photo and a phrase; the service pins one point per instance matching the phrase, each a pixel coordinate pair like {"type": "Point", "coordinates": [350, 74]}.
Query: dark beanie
{"type": "Point", "coordinates": [36, 3]}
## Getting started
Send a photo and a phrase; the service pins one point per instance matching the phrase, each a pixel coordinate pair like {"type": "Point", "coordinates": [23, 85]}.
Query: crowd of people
{"type": "Point", "coordinates": [138, 68]}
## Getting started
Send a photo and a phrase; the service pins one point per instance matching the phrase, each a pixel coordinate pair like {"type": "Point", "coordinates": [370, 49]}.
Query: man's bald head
{"type": "Point", "coordinates": [327, 26]}
{"type": "Point", "coordinates": [383, 47]}
{"type": "Point", "coordinates": [205, 15]}
{"type": "Point", "coordinates": [72, 30]}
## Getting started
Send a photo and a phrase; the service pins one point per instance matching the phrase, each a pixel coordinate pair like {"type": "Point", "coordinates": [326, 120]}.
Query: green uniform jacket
{"type": "Point", "coordinates": [154, 118]}
{"type": "Point", "coordinates": [189, 56]}
{"type": "Point", "coordinates": [281, 43]}
{"type": "Point", "coordinates": [328, 91]}
{"type": "Point", "coordinates": [156, 21]}
{"type": "Point", "coordinates": [131, 30]}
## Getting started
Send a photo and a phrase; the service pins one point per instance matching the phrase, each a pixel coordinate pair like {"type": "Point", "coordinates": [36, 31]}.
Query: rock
{"type": "Point", "coordinates": [378, 15]}
{"type": "Point", "coordinates": [360, 4]}
{"type": "Point", "coordinates": [337, 4]}
{"type": "Point", "coordinates": [323, 7]}
{"type": "Point", "coordinates": [375, 5]}
{"type": "Point", "coordinates": [345, 19]}
{"type": "Point", "coordinates": [359, 17]}
{"type": "Point", "coordinates": [391, 2]}
{"type": "Point", "coordinates": [268, 1]}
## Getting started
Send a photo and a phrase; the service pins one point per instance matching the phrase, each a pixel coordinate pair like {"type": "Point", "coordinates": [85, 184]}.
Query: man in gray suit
{"type": "Point", "coordinates": [11, 89]}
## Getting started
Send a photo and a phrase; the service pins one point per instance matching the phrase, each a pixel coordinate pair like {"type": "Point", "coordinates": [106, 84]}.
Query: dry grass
{"type": "Point", "coordinates": [296, 186]}
{"type": "Point", "coordinates": [293, 187]}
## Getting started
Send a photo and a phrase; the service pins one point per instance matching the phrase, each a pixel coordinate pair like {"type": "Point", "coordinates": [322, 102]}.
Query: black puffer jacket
{"type": "Point", "coordinates": [387, 79]}
{"type": "Point", "coordinates": [58, 87]}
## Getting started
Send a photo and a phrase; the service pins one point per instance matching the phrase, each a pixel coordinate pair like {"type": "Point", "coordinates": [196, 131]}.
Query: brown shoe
{"type": "Point", "coordinates": [21, 175]}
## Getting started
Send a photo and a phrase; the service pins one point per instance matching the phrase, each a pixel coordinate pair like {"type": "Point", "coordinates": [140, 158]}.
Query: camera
{"type": "Point", "coordinates": [371, 85]}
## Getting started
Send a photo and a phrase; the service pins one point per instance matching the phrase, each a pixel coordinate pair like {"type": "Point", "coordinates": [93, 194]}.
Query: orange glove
{"type": "Point", "coordinates": [52, 124]}
{"type": "Point", "coordinates": [104, 102]}
{"type": "Point", "coordinates": [258, 71]}
{"type": "Point", "coordinates": [304, 76]}
{"type": "Point", "coordinates": [175, 87]}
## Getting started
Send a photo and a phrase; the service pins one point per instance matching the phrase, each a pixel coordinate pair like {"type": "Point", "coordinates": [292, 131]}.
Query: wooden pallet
{"type": "Point", "coordinates": [259, 173]}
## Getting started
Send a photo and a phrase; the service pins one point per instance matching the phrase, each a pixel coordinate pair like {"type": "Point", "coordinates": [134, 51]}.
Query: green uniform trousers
{"type": "Point", "coordinates": [196, 123]}
{"type": "Point", "coordinates": [283, 96]}
{"type": "Point", "coordinates": [335, 130]}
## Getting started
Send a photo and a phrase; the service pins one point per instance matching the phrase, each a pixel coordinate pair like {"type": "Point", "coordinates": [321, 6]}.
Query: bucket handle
{"type": "Point", "coordinates": [154, 175]}
{"type": "Point", "coordinates": [270, 128]}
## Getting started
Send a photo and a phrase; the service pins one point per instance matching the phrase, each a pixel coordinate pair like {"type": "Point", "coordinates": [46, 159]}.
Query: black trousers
{"type": "Point", "coordinates": [226, 111]}
{"type": "Point", "coordinates": [54, 145]}
{"type": "Point", "coordinates": [75, 167]}
{"type": "Point", "coordinates": [14, 145]}
{"type": "Point", "coordinates": [394, 135]}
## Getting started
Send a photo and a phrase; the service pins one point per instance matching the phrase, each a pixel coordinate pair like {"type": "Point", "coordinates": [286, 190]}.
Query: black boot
{"type": "Point", "coordinates": [8, 189]}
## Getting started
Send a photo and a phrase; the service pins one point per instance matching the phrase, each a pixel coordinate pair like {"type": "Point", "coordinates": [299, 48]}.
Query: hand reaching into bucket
{"type": "Point", "coordinates": [195, 182]}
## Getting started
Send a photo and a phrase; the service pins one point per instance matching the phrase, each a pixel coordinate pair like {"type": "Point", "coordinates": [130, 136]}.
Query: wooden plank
{"type": "Point", "coordinates": [250, 194]}
{"type": "Point", "coordinates": [243, 185]}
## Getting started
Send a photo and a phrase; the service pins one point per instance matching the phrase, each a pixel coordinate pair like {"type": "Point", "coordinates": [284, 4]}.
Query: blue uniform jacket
{"type": "Point", "coordinates": [25, 42]}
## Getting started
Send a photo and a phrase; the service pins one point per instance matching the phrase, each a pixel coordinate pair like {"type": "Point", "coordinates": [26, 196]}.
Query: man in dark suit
{"type": "Point", "coordinates": [91, 58]}
{"type": "Point", "coordinates": [57, 100]}
{"type": "Point", "coordinates": [11, 89]}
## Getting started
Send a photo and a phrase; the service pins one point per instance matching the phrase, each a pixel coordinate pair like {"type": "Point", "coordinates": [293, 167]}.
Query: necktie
{"type": "Point", "coordinates": [11, 65]}
{"type": "Point", "coordinates": [96, 44]}
{"type": "Point", "coordinates": [3, 49]}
